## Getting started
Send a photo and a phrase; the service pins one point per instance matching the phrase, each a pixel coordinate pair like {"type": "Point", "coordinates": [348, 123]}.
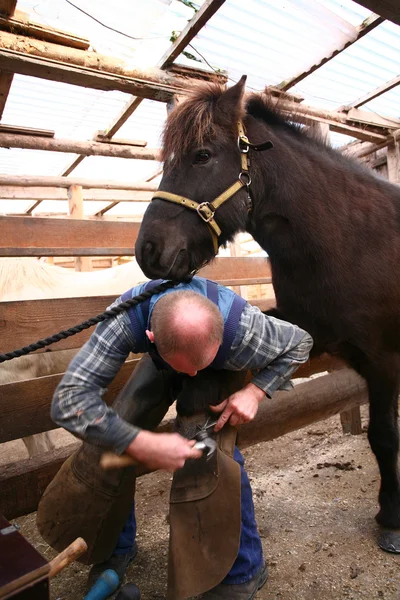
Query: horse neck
{"type": "Point", "coordinates": [302, 192]}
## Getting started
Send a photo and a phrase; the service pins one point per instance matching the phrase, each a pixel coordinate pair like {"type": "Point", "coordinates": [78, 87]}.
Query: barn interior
{"type": "Point", "coordinates": [84, 93]}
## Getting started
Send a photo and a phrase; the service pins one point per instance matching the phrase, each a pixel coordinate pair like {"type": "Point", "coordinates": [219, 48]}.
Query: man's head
{"type": "Point", "coordinates": [187, 329]}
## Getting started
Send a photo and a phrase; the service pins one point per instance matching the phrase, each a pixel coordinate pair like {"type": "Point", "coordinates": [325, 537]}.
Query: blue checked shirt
{"type": "Point", "coordinates": [271, 348]}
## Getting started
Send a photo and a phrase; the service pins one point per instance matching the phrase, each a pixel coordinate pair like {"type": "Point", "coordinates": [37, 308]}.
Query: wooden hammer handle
{"type": "Point", "coordinates": [67, 556]}
{"type": "Point", "coordinates": [109, 460]}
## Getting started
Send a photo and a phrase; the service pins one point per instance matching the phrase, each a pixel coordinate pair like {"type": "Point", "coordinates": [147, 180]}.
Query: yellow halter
{"type": "Point", "coordinates": [206, 210]}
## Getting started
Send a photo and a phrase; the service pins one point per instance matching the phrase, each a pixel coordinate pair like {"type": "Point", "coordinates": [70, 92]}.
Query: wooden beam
{"type": "Point", "coordinates": [23, 483]}
{"type": "Point", "coordinates": [84, 68]}
{"type": "Point", "coordinates": [382, 89]}
{"type": "Point", "coordinates": [64, 182]}
{"type": "Point", "coordinates": [357, 118]}
{"type": "Point", "coordinates": [25, 405]}
{"type": "Point", "coordinates": [46, 133]}
{"type": "Point", "coordinates": [101, 137]}
{"type": "Point", "coordinates": [30, 142]}
{"type": "Point", "coordinates": [14, 192]}
{"type": "Point", "coordinates": [42, 32]}
{"type": "Point", "coordinates": [7, 7]}
{"type": "Point", "coordinates": [5, 86]}
{"type": "Point", "coordinates": [390, 9]}
{"type": "Point", "coordinates": [366, 26]}
{"type": "Point", "coordinates": [27, 236]}
{"type": "Point", "coordinates": [307, 403]}
{"type": "Point", "coordinates": [361, 149]}
{"type": "Point", "coordinates": [362, 124]}
{"type": "Point", "coordinates": [46, 60]}
{"type": "Point", "coordinates": [357, 132]}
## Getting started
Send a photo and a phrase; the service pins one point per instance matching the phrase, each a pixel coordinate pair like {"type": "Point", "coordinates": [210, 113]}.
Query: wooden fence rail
{"type": "Point", "coordinates": [22, 484]}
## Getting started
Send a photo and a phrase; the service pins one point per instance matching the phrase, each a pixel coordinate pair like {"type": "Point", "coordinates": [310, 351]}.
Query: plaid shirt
{"type": "Point", "coordinates": [271, 348]}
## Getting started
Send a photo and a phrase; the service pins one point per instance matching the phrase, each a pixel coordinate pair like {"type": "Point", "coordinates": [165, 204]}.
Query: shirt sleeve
{"type": "Point", "coordinates": [271, 348]}
{"type": "Point", "coordinates": [77, 403]}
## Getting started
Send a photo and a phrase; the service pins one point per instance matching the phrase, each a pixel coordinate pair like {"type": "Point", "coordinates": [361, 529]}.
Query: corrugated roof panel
{"type": "Point", "coordinates": [371, 62]}
{"type": "Point", "coordinates": [270, 40]}
{"type": "Point", "coordinates": [146, 123]}
{"type": "Point", "coordinates": [387, 104]}
{"type": "Point", "coordinates": [69, 110]}
{"type": "Point", "coordinates": [15, 161]}
{"type": "Point", "coordinates": [117, 169]}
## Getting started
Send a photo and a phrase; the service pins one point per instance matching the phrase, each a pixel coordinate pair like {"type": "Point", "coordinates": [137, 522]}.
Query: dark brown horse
{"type": "Point", "coordinates": [330, 226]}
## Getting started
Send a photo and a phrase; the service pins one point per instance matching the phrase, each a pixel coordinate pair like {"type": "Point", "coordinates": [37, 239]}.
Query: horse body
{"type": "Point", "coordinates": [330, 226]}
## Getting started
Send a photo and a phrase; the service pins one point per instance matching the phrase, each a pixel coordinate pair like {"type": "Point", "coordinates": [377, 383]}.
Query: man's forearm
{"type": "Point", "coordinates": [90, 419]}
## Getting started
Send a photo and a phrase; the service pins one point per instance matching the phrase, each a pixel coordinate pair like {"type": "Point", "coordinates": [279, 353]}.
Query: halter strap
{"type": "Point", "coordinates": [206, 210]}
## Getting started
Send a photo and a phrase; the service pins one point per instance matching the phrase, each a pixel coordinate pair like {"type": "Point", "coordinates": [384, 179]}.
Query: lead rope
{"type": "Point", "coordinates": [107, 314]}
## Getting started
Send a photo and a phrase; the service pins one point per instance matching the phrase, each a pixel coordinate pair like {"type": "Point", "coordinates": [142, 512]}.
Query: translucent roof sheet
{"type": "Point", "coordinates": [269, 40]}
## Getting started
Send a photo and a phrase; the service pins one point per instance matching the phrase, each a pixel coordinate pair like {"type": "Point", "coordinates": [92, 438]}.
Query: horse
{"type": "Point", "coordinates": [31, 279]}
{"type": "Point", "coordinates": [330, 226]}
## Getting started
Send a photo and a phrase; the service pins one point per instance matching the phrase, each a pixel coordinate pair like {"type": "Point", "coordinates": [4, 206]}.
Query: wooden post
{"type": "Point", "coordinates": [236, 250]}
{"type": "Point", "coordinates": [393, 162]}
{"type": "Point", "coordinates": [75, 206]}
{"type": "Point", "coordinates": [351, 421]}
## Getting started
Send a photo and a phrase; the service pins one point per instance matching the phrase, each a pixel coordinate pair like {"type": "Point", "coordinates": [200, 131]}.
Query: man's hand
{"type": "Point", "coordinates": [239, 408]}
{"type": "Point", "coordinates": [168, 451]}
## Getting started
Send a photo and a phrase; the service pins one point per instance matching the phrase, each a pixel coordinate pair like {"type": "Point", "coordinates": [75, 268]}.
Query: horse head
{"type": "Point", "coordinates": [205, 171]}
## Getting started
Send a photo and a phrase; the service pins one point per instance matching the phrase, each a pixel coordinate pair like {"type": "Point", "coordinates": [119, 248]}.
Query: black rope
{"type": "Point", "coordinates": [107, 314]}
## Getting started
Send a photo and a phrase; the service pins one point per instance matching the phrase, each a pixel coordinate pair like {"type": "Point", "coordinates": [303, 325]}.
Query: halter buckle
{"type": "Point", "coordinates": [243, 144]}
{"type": "Point", "coordinates": [205, 211]}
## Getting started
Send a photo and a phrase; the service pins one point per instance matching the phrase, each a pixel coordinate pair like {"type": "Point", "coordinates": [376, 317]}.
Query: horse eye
{"type": "Point", "coordinates": [202, 156]}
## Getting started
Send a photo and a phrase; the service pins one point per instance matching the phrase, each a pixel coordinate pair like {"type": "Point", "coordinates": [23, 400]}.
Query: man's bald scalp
{"type": "Point", "coordinates": [185, 321]}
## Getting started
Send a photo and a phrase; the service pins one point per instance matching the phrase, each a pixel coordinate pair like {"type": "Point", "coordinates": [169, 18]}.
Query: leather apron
{"type": "Point", "coordinates": [205, 518]}
{"type": "Point", "coordinates": [85, 500]}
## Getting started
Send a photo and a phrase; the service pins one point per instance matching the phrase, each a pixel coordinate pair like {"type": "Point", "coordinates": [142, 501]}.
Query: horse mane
{"type": "Point", "coordinates": [260, 106]}
{"type": "Point", "coordinates": [192, 121]}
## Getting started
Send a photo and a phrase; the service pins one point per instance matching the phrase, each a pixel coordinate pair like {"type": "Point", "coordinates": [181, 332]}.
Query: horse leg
{"type": "Point", "coordinates": [383, 436]}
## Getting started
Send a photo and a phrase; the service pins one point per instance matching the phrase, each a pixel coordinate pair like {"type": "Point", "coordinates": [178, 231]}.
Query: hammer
{"type": "Point", "coordinates": [207, 444]}
{"type": "Point", "coordinates": [67, 556]}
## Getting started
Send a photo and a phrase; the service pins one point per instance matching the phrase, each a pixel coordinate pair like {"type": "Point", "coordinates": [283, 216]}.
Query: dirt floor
{"type": "Point", "coordinates": [315, 493]}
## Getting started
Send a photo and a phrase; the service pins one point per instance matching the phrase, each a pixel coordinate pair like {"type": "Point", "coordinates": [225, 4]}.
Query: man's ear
{"type": "Point", "coordinates": [150, 335]}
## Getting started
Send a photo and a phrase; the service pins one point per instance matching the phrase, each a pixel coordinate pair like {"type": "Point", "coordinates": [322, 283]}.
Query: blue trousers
{"type": "Point", "coordinates": [249, 559]}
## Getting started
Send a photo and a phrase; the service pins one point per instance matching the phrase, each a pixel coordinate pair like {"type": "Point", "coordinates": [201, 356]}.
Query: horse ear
{"type": "Point", "coordinates": [229, 107]}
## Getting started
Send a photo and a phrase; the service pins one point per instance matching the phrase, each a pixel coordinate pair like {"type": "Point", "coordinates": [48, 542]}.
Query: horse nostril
{"type": "Point", "coordinates": [148, 249]}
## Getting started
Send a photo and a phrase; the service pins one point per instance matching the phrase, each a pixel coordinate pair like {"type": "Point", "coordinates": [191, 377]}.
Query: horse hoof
{"type": "Point", "coordinates": [390, 541]}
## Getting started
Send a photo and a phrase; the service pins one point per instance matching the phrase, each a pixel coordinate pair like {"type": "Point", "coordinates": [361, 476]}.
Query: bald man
{"type": "Point", "coordinates": [186, 329]}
